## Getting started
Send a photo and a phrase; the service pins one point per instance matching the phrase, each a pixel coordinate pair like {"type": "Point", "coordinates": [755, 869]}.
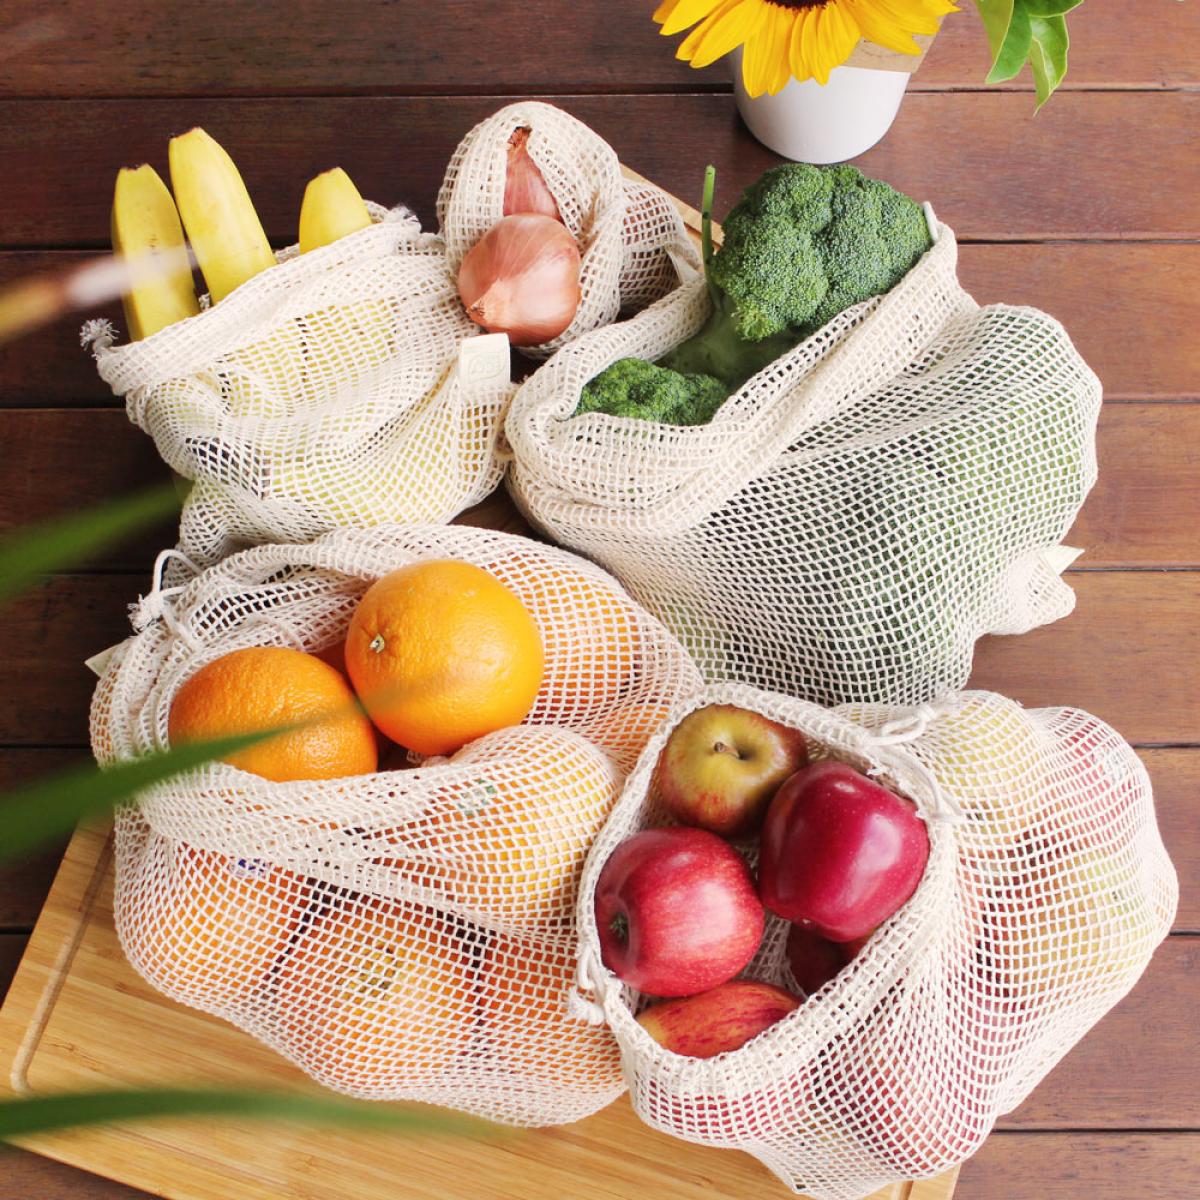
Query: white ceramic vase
{"type": "Point", "coordinates": [824, 123]}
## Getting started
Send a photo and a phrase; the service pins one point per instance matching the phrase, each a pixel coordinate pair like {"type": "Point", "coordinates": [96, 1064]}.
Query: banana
{"type": "Point", "coordinates": [226, 234]}
{"type": "Point", "coordinates": [144, 220]}
{"type": "Point", "coordinates": [332, 208]}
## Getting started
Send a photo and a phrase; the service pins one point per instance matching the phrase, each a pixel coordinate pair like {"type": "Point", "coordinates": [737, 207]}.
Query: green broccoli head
{"type": "Point", "coordinates": [805, 242]}
{"type": "Point", "coordinates": [632, 387]}
{"type": "Point", "coordinates": [801, 245]}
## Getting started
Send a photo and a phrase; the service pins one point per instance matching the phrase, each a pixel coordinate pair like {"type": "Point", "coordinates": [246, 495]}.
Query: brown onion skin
{"type": "Point", "coordinates": [525, 190]}
{"type": "Point", "coordinates": [522, 278]}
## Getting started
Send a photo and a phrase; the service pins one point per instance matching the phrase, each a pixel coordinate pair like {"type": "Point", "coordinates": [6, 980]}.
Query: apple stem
{"type": "Point", "coordinates": [721, 748]}
{"type": "Point", "coordinates": [619, 925]}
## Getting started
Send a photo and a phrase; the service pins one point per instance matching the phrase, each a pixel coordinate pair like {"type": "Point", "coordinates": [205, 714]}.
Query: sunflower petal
{"type": "Point", "coordinates": [841, 34]}
{"type": "Point", "coordinates": [729, 30]}
{"type": "Point", "coordinates": [685, 13]}
{"type": "Point", "coordinates": [663, 11]}
{"type": "Point", "coordinates": [780, 53]}
{"type": "Point", "coordinates": [800, 69]}
{"type": "Point", "coordinates": [880, 29]}
{"type": "Point", "coordinates": [756, 61]}
{"type": "Point", "coordinates": [691, 43]}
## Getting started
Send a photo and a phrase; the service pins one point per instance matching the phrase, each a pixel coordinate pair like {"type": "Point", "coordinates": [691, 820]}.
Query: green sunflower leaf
{"type": "Point", "coordinates": [1049, 8]}
{"type": "Point", "coordinates": [1048, 54]}
{"type": "Point", "coordinates": [1009, 34]}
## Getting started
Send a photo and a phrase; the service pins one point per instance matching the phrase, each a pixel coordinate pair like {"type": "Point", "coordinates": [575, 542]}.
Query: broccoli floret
{"type": "Point", "coordinates": [632, 387]}
{"type": "Point", "coordinates": [801, 245]}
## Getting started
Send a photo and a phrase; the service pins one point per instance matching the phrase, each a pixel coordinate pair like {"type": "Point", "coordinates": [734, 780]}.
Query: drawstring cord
{"type": "Point", "coordinates": [908, 727]}
{"type": "Point", "coordinates": [154, 607]}
{"type": "Point", "coordinates": [590, 976]}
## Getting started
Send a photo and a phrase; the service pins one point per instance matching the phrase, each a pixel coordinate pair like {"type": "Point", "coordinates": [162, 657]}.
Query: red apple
{"type": "Point", "coordinates": [677, 912]}
{"type": "Point", "coordinates": [815, 960]}
{"type": "Point", "coordinates": [722, 765]}
{"type": "Point", "coordinates": [840, 853]}
{"type": "Point", "coordinates": [718, 1020]}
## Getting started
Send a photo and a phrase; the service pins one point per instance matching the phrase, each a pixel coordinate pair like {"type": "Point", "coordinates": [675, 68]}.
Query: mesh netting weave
{"type": "Point", "coordinates": [407, 934]}
{"type": "Point", "coordinates": [858, 514]}
{"type": "Point", "coordinates": [632, 241]}
{"type": "Point", "coordinates": [1046, 891]}
{"type": "Point", "coordinates": [320, 393]}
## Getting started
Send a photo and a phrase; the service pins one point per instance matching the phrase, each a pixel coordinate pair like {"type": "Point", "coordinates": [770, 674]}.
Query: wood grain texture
{"type": "Point", "coordinates": [1126, 654]}
{"type": "Point", "coordinates": [1083, 1166]}
{"type": "Point", "coordinates": [943, 147]}
{"type": "Point", "coordinates": [591, 45]}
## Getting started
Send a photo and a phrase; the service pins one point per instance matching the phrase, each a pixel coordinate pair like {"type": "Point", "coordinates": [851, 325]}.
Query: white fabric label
{"type": "Point", "coordinates": [484, 361]}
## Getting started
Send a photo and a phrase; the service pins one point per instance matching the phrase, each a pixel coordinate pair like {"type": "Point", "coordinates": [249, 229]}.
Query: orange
{"type": "Point", "coordinates": [378, 996]}
{"type": "Point", "coordinates": [268, 686]}
{"type": "Point", "coordinates": [210, 928]}
{"type": "Point", "coordinates": [592, 638]}
{"type": "Point", "coordinates": [506, 836]}
{"type": "Point", "coordinates": [527, 1027]}
{"type": "Point", "coordinates": [441, 653]}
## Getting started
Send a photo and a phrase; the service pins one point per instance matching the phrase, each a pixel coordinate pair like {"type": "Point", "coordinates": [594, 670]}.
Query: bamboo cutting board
{"type": "Point", "coordinates": [78, 1016]}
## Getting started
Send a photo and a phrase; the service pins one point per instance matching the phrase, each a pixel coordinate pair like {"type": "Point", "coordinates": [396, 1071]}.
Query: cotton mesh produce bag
{"type": "Point", "coordinates": [1046, 891]}
{"type": "Point", "coordinates": [633, 245]}
{"type": "Point", "coordinates": [857, 514]}
{"type": "Point", "coordinates": [320, 393]}
{"type": "Point", "coordinates": [407, 934]}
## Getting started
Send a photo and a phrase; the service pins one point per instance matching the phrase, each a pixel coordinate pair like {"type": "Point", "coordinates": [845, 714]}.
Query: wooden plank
{"type": "Point", "coordinates": [396, 149]}
{"type": "Point", "coordinates": [31, 1177]}
{"type": "Point", "coordinates": [1175, 775]}
{"type": "Point", "coordinates": [1083, 1166]}
{"type": "Point", "coordinates": [12, 946]}
{"type": "Point", "coordinates": [1139, 514]}
{"type": "Point", "coordinates": [1125, 654]}
{"type": "Point", "coordinates": [25, 881]}
{"type": "Point", "coordinates": [1142, 510]}
{"type": "Point", "coordinates": [1138, 1067]}
{"type": "Point", "coordinates": [590, 45]}
{"type": "Point", "coordinates": [78, 1016]}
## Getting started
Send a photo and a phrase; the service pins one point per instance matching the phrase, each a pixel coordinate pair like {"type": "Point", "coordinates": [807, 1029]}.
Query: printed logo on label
{"type": "Point", "coordinates": [484, 360]}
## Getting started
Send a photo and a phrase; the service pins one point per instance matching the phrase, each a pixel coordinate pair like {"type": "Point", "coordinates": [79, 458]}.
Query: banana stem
{"type": "Point", "coordinates": [706, 246]}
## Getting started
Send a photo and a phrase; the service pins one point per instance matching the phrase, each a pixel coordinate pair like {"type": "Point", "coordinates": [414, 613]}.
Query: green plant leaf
{"type": "Point", "coordinates": [53, 806]}
{"type": "Point", "coordinates": [64, 542]}
{"type": "Point", "coordinates": [1009, 34]}
{"type": "Point", "coordinates": [1048, 55]}
{"type": "Point", "coordinates": [42, 1114]}
{"type": "Point", "coordinates": [1049, 8]}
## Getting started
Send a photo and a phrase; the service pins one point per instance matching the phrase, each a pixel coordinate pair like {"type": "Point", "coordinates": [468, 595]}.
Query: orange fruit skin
{"type": "Point", "coordinates": [217, 929]}
{"type": "Point", "coordinates": [526, 1025]}
{"type": "Point", "coordinates": [266, 686]}
{"type": "Point", "coordinates": [442, 653]}
{"type": "Point", "coordinates": [507, 846]}
{"type": "Point", "coordinates": [378, 996]}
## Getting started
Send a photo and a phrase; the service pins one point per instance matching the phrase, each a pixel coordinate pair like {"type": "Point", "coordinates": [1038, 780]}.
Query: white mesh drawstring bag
{"type": "Point", "coordinates": [857, 514]}
{"type": "Point", "coordinates": [407, 934]}
{"type": "Point", "coordinates": [633, 244]}
{"type": "Point", "coordinates": [1046, 891]}
{"type": "Point", "coordinates": [321, 393]}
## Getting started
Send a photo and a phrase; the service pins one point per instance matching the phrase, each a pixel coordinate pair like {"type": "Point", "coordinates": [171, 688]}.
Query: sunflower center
{"type": "Point", "coordinates": [800, 3]}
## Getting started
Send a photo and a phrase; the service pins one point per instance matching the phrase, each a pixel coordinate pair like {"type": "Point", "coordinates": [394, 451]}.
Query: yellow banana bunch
{"type": "Point", "coordinates": [226, 235]}
{"type": "Point", "coordinates": [332, 208]}
{"type": "Point", "coordinates": [145, 221]}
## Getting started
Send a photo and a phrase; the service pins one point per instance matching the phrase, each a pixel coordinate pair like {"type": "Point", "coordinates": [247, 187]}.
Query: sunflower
{"type": "Point", "coordinates": [801, 38]}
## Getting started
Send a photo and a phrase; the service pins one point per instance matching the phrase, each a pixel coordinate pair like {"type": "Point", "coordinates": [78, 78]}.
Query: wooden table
{"type": "Point", "coordinates": [1088, 210]}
